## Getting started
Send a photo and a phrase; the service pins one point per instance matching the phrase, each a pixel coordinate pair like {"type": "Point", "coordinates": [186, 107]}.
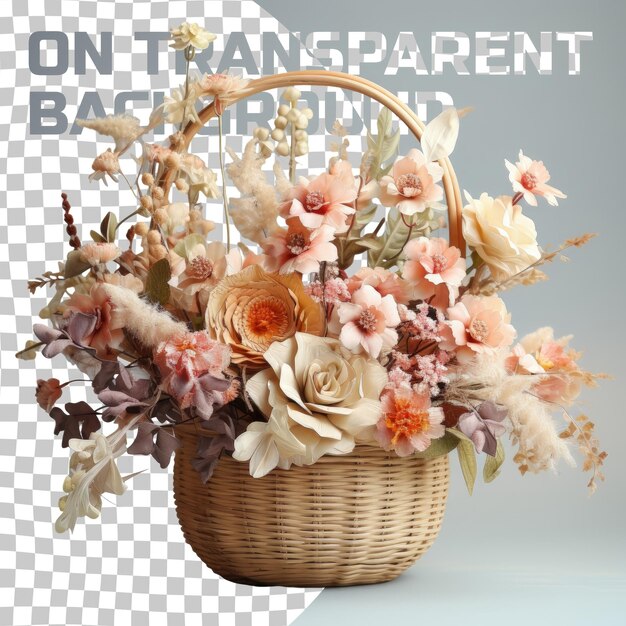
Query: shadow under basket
{"type": "Point", "coordinates": [347, 520]}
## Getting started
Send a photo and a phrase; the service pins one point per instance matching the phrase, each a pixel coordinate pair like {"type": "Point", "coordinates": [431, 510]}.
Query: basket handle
{"type": "Point", "coordinates": [365, 87]}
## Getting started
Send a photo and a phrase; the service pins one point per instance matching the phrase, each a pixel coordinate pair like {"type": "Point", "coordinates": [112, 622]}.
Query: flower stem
{"type": "Point", "coordinates": [292, 153]}
{"type": "Point", "coordinates": [224, 196]}
{"type": "Point", "coordinates": [190, 53]}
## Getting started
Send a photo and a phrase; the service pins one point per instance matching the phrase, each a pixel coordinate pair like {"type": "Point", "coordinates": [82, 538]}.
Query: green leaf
{"type": "Point", "coordinates": [74, 265]}
{"type": "Point", "coordinates": [184, 247]}
{"type": "Point", "coordinates": [157, 288]}
{"type": "Point", "coordinates": [492, 465]}
{"type": "Point", "coordinates": [439, 447]}
{"type": "Point", "coordinates": [97, 237]}
{"type": "Point", "coordinates": [440, 135]}
{"type": "Point", "coordinates": [108, 227]}
{"type": "Point", "coordinates": [467, 460]}
{"type": "Point", "coordinates": [383, 123]}
{"type": "Point", "coordinates": [390, 146]}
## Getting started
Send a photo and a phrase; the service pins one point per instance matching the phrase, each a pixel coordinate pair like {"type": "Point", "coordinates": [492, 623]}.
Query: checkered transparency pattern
{"type": "Point", "coordinates": [132, 566]}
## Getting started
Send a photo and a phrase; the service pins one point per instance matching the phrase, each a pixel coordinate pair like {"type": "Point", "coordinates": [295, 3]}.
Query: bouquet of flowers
{"type": "Point", "coordinates": [343, 320]}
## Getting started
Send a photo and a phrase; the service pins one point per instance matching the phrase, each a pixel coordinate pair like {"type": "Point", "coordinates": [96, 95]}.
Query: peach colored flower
{"type": "Point", "coordinates": [409, 422]}
{"type": "Point", "coordinates": [324, 200]}
{"type": "Point", "coordinates": [192, 365]}
{"type": "Point", "coordinates": [412, 185]}
{"type": "Point", "coordinates": [529, 178]}
{"type": "Point", "coordinates": [105, 164]}
{"type": "Point", "coordinates": [128, 281]}
{"type": "Point", "coordinates": [540, 353]}
{"type": "Point", "coordinates": [430, 263]}
{"type": "Point", "coordinates": [48, 392]}
{"type": "Point", "coordinates": [102, 330]}
{"type": "Point", "coordinates": [250, 310]}
{"type": "Point", "coordinates": [223, 87]}
{"type": "Point", "coordinates": [385, 282]}
{"type": "Point", "coordinates": [299, 249]}
{"type": "Point", "coordinates": [100, 252]}
{"type": "Point", "coordinates": [368, 322]}
{"type": "Point", "coordinates": [477, 324]}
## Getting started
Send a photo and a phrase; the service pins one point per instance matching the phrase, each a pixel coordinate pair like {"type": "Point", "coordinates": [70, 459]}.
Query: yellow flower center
{"type": "Point", "coordinates": [406, 420]}
{"type": "Point", "coordinates": [546, 363]}
{"type": "Point", "coordinates": [265, 319]}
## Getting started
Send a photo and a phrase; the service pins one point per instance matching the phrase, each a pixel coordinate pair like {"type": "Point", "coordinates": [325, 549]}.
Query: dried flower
{"type": "Point", "coordinates": [190, 34]}
{"type": "Point", "coordinates": [412, 185]}
{"type": "Point", "coordinates": [105, 164]}
{"type": "Point", "coordinates": [250, 310]}
{"type": "Point", "coordinates": [299, 249]}
{"type": "Point", "coordinates": [318, 398]}
{"type": "Point", "coordinates": [529, 178]}
{"type": "Point", "coordinates": [408, 422]}
{"type": "Point", "coordinates": [367, 322]}
{"type": "Point", "coordinates": [97, 253]}
{"type": "Point", "coordinates": [504, 238]}
{"type": "Point", "coordinates": [223, 87]}
{"type": "Point", "coordinates": [123, 128]}
{"type": "Point", "coordinates": [48, 392]}
{"type": "Point", "coordinates": [477, 324]}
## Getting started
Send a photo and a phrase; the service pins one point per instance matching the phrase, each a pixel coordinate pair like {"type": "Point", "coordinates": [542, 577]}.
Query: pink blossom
{"type": "Point", "coordinates": [408, 422]}
{"type": "Point", "coordinates": [368, 322]}
{"type": "Point", "coordinates": [333, 291]}
{"type": "Point", "coordinates": [529, 178]}
{"type": "Point", "coordinates": [412, 185]}
{"type": "Point", "coordinates": [431, 263]}
{"type": "Point", "coordinates": [477, 324]}
{"type": "Point", "coordinates": [192, 369]}
{"type": "Point", "coordinates": [299, 249]}
{"type": "Point", "coordinates": [324, 200]}
{"type": "Point", "coordinates": [385, 282]}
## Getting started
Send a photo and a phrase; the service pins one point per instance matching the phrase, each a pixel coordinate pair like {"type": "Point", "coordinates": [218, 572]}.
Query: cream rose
{"type": "Point", "coordinates": [504, 239]}
{"type": "Point", "coordinates": [319, 399]}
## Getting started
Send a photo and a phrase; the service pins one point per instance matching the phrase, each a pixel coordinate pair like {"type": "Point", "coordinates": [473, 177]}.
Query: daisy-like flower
{"type": "Point", "coordinates": [105, 164]}
{"type": "Point", "coordinates": [430, 263]}
{"type": "Point", "coordinates": [299, 249]}
{"type": "Point", "coordinates": [180, 106]}
{"type": "Point", "coordinates": [191, 34]}
{"type": "Point", "coordinates": [99, 252]}
{"type": "Point", "coordinates": [322, 200]}
{"type": "Point", "coordinates": [529, 178]}
{"type": "Point", "coordinates": [223, 87]}
{"type": "Point", "coordinates": [409, 422]}
{"type": "Point", "coordinates": [477, 324]}
{"type": "Point", "coordinates": [412, 185]}
{"type": "Point", "coordinates": [368, 321]}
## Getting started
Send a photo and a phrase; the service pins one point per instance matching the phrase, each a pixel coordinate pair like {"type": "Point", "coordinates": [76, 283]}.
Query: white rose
{"type": "Point", "coordinates": [504, 239]}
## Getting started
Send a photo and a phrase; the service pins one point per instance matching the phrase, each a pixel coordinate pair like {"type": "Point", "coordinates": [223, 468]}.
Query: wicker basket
{"type": "Point", "coordinates": [346, 520]}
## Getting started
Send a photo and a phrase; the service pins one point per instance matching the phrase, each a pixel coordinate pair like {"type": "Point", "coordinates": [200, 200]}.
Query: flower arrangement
{"type": "Point", "coordinates": [324, 331]}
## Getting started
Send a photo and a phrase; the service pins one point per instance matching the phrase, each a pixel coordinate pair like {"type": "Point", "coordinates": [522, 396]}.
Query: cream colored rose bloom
{"type": "Point", "coordinates": [504, 238]}
{"type": "Point", "coordinates": [319, 399]}
{"type": "Point", "coordinates": [190, 34]}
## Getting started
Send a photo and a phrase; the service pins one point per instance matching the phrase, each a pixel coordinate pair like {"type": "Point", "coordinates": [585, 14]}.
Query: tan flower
{"type": "Point", "coordinates": [96, 253]}
{"type": "Point", "coordinates": [250, 310]}
{"type": "Point", "coordinates": [319, 399]}
{"type": "Point", "coordinates": [105, 164]}
{"type": "Point", "coordinates": [504, 238]}
{"type": "Point", "coordinates": [191, 35]}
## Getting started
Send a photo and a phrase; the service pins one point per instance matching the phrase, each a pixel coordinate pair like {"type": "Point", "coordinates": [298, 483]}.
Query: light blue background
{"type": "Point", "coordinates": [533, 550]}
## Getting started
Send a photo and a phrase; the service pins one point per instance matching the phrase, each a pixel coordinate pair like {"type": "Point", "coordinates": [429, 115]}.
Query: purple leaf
{"type": "Point", "coordinates": [78, 423]}
{"type": "Point", "coordinates": [81, 325]}
{"type": "Point", "coordinates": [144, 439]}
{"type": "Point", "coordinates": [105, 375]}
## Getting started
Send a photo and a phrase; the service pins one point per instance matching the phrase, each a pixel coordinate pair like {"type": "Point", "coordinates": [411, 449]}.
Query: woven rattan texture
{"type": "Point", "coordinates": [355, 519]}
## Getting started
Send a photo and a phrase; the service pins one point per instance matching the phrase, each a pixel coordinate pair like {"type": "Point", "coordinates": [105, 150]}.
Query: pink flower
{"type": "Point", "coordinates": [385, 282]}
{"type": "Point", "coordinates": [477, 324]}
{"type": "Point", "coordinates": [192, 369]}
{"type": "Point", "coordinates": [539, 353]}
{"type": "Point", "coordinates": [431, 263]}
{"type": "Point", "coordinates": [412, 186]}
{"type": "Point", "coordinates": [368, 321]}
{"type": "Point", "coordinates": [223, 87]}
{"type": "Point", "coordinates": [299, 249]}
{"type": "Point", "coordinates": [99, 327]}
{"type": "Point", "coordinates": [409, 422]}
{"type": "Point", "coordinates": [529, 178]}
{"type": "Point", "coordinates": [324, 200]}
